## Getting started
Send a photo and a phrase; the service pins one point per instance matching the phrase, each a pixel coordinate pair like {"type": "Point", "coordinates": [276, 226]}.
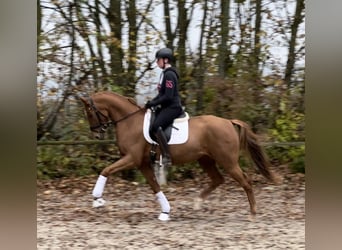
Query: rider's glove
{"type": "Point", "coordinates": [148, 105]}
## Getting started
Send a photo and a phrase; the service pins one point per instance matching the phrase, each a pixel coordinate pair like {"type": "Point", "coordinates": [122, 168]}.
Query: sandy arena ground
{"type": "Point", "coordinates": [66, 220]}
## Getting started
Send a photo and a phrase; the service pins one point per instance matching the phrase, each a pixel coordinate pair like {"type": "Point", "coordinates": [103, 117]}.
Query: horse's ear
{"type": "Point", "coordinates": [85, 101]}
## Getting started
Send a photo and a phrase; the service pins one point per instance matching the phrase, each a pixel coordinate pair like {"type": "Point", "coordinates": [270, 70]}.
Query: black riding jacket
{"type": "Point", "coordinates": [168, 95]}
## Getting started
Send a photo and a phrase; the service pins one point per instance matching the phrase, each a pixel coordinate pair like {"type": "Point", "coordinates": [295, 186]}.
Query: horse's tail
{"type": "Point", "coordinates": [249, 143]}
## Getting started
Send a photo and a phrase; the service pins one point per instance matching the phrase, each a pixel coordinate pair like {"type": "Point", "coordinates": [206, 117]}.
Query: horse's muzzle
{"type": "Point", "coordinates": [98, 136]}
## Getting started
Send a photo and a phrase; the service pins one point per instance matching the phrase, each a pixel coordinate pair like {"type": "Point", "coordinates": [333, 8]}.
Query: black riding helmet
{"type": "Point", "coordinates": [165, 53]}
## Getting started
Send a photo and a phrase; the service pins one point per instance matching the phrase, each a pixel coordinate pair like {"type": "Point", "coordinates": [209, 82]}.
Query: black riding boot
{"type": "Point", "coordinates": [164, 147]}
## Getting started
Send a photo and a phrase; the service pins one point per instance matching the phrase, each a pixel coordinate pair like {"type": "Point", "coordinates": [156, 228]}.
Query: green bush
{"type": "Point", "coordinates": [298, 159]}
{"type": "Point", "coordinates": [288, 129]}
{"type": "Point", "coordinates": [291, 155]}
{"type": "Point", "coordinates": [68, 160]}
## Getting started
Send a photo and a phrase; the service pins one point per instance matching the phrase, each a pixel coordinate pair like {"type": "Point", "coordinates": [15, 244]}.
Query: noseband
{"type": "Point", "coordinates": [104, 125]}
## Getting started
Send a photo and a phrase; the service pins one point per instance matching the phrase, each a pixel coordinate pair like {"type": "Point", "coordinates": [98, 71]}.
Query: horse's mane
{"type": "Point", "coordinates": [129, 99]}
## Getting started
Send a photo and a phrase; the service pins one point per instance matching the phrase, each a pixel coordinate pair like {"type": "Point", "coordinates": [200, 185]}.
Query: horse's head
{"type": "Point", "coordinates": [98, 119]}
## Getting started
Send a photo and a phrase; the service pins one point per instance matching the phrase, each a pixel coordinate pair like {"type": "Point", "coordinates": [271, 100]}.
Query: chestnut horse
{"type": "Point", "coordinates": [212, 140]}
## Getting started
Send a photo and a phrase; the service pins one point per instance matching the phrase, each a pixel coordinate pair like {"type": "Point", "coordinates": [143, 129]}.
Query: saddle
{"type": "Point", "coordinates": [176, 133]}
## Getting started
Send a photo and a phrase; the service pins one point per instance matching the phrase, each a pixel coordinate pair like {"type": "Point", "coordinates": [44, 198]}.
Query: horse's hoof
{"type": "Point", "coordinates": [99, 202]}
{"type": "Point", "coordinates": [252, 218]}
{"type": "Point", "coordinates": [164, 217]}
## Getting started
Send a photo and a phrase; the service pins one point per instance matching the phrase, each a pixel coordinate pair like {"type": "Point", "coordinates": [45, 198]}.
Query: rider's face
{"type": "Point", "coordinates": [161, 62]}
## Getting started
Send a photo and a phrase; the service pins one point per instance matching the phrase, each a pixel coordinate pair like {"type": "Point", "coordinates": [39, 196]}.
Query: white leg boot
{"type": "Point", "coordinates": [98, 190]}
{"type": "Point", "coordinates": [165, 206]}
{"type": "Point", "coordinates": [98, 202]}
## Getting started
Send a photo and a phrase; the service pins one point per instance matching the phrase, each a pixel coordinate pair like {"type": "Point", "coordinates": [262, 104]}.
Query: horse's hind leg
{"type": "Point", "coordinates": [209, 166]}
{"type": "Point", "coordinates": [148, 173]}
{"type": "Point", "coordinates": [237, 174]}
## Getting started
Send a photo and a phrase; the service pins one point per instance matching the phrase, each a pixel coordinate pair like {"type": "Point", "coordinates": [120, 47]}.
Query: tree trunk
{"type": "Point", "coordinates": [115, 49]}
{"type": "Point", "coordinates": [169, 34]}
{"type": "Point", "coordinates": [99, 40]}
{"type": "Point", "coordinates": [132, 49]}
{"type": "Point", "coordinates": [39, 23]}
{"type": "Point", "coordinates": [182, 25]}
{"type": "Point", "coordinates": [224, 52]}
{"type": "Point", "coordinates": [298, 18]}
{"type": "Point", "coordinates": [83, 31]}
{"type": "Point", "coordinates": [200, 65]}
{"type": "Point", "coordinates": [181, 51]}
{"type": "Point", "coordinates": [256, 56]}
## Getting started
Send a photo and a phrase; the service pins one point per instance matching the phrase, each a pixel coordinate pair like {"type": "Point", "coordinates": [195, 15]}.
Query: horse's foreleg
{"type": "Point", "coordinates": [123, 163]}
{"type": "Point", "coordinates": [149, 175]}
{"type": "Point", "coordinates": [209, 166]}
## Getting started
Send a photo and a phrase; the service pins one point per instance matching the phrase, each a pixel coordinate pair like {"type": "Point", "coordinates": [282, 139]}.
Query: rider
{"type": "Point", "coordinates": [168, 99]}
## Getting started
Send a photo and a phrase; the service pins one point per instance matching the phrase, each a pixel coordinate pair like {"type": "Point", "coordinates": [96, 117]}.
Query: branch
{"type": "Point", "coordinates": [143, 16]}
{"type": "Point", "coordinates": [148, 68]}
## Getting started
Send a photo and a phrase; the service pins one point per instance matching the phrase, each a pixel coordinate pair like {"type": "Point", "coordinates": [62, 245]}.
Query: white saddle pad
{"type": "Point", "coordinates": [178, 136]}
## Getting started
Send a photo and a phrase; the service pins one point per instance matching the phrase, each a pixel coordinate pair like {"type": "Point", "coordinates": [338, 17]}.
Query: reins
{"type": "Point", "coordinates": [102, 125]}
{"type": "Point", "coordinates": [127, 116]}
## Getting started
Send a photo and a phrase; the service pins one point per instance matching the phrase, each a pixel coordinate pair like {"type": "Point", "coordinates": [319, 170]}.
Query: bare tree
{"type": "Point", "coordinates": [46, 123]}
{"type": "Point", "coordinates": [170, 35]}
{"type": "Point", "coordinates": [86, 48]}
{"type": "Point", "coordinates": [132, 48]}
{"type": "Point", "coordinates": [114, 42]}
{"type": "Point", "coordinates": [257, 45]}
{"type": "Point", "coordinates": [297, 20]}
{"type": "Point", "coordinates": [39, 22]}
{"type": "Point", "coordinates": [224, 51]}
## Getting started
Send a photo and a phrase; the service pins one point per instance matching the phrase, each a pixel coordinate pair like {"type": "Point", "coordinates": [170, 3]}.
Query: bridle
{"type": "Point", "coordinates": [102, 126]}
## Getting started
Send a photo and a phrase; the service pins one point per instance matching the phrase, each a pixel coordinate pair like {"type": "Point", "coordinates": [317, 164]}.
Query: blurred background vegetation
{"type": "Point", "coordinates": [242, 59]}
